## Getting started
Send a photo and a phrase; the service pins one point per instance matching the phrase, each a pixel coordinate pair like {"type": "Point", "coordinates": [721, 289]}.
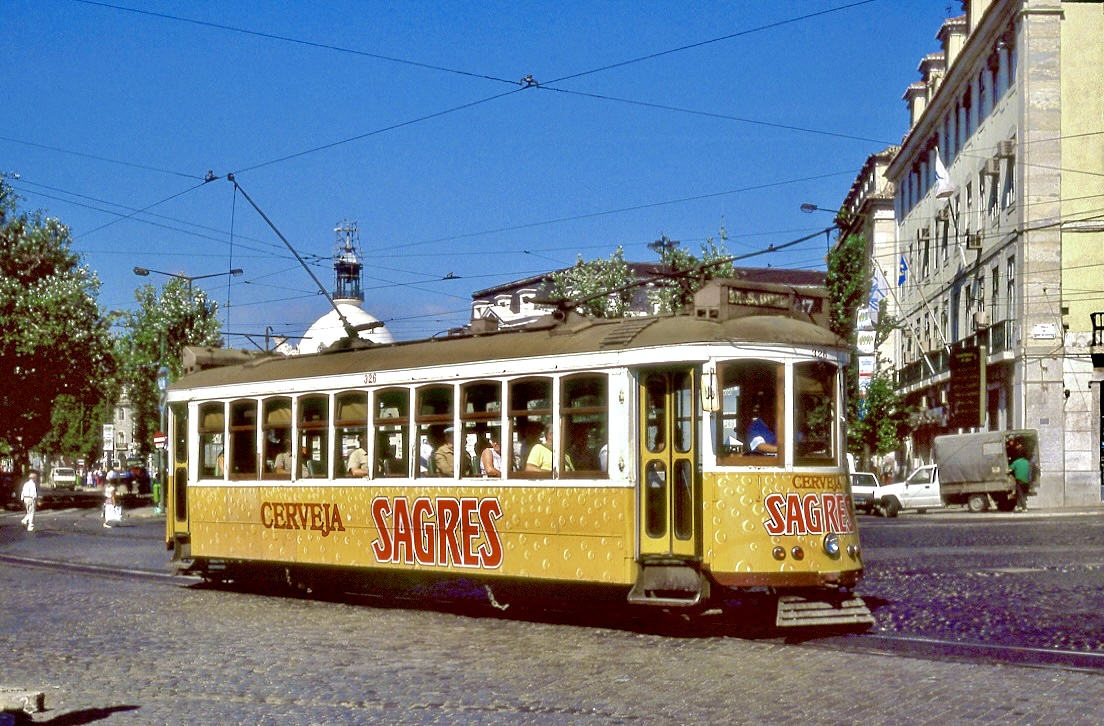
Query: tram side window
{"type": "Point", "coordinates": [212, 428]}
{"type": "Point", "coordinates": [481, 422]}
{"type": "Point", "coordinates": [180, 434]}
{"type": "Point", "coordinates": [433, 416]}
{"type": "Point", "coordinates": [313, 431]}
{"type": "Point", "coordinates": [392, 417]}
{"type": "Point", "coordinates": [584, 416]}
{"type": "Point", "coordinates": [179, 463]}
{"type": "Point", "coordinates": [530, 416]}
{"type": "Point", "coordinates": [277, 438]}
{"type": "Point", "coordinates": [351, 434]}
{"type": "Point", "coordinates": [243, 440]}
{"type": "Point", "coordinates": [749, 428]}
{"type": "Point", "coordinates": [815, 413]}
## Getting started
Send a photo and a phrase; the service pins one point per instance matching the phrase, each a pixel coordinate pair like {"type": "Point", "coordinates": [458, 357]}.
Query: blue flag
{"type": "Point", "coordinates": [902, 271]}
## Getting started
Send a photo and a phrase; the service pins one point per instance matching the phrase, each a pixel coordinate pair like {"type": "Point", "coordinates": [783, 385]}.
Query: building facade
{"type": "Point", "coordinates": [994, 269]}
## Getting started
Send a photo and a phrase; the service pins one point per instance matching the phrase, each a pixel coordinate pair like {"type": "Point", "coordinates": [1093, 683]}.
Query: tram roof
{"type": "Point", "coordinates": [574, 335]}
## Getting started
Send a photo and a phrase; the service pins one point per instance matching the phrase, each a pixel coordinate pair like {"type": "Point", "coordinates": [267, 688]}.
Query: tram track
{"type": "Point", "coordinates": [935, 648]}
{"type": "Point", "coordinates": [900, 644]}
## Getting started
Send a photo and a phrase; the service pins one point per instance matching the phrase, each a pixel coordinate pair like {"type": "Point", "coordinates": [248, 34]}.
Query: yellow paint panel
{"type": "Point", "coordinates": [556, 533]}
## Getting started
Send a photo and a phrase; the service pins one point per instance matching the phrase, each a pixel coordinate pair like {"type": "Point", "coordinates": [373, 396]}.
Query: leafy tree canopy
{"type": "Point", "coordinates": [166, 320]}
{"type": "Point", "coordinates": [589, 281]}
{"type": "Point", "coordinates": [54, 339]}
{"type": "Point", "coordinates": [606, 285]}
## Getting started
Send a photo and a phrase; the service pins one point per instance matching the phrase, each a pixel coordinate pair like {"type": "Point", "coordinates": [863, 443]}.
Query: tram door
{"type": "Point", "coordinates": [668, 510]}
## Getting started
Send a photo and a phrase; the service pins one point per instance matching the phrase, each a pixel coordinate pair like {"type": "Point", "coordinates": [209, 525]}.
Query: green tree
{"type": "Point", "coordinates": [54, 339]}
{"type": "Point", "coordinates": [165, 322]}
{"type": "Point", "coordinates": [689, 273]}
{"type": "Point", "coordinates": [878, 420]}
{"type": "Point", "coordinates": [590, 281]}
{"type": "Point", "coordinates": [76, 426]}
{"type": "Point", "coordinates": [848, 284]}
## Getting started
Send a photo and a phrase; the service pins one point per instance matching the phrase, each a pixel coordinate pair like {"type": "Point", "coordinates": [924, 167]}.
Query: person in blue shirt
{"type": "Point", "coordinates": [760, 436]}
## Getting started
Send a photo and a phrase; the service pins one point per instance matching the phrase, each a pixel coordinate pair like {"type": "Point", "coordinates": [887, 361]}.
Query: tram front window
{"type": "Point", "coordinates": [815, 413]}
{"type": "Point", "coordinates": [750, 430]}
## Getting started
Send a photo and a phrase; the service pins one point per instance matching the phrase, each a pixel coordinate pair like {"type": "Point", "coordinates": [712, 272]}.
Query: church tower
{"type": "Point", "coordinates": [347, 296]}
{"type": "Point", "coordinates": [347, 264]}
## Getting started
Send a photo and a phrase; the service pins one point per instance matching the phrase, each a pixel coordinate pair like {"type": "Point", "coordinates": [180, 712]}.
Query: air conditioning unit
{"type": "Point", "coordinates": [981, 320]}
{"type": "Point", "coordinates": [944, 214]}
{"type": "Point", "coordinates": [925, 234]}
{"type": "Point", "coordinates": [973, 241]}
{"type": "Point", "coordinates": [1006, 149]}
{"type": "Point", "coordinates": [992, 167]}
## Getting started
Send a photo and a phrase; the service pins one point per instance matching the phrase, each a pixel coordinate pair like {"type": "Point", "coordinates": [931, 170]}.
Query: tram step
{"type": "Point", "coordinates": [797, 611]}
{"type": "Point", "coordinates": [668, 585]}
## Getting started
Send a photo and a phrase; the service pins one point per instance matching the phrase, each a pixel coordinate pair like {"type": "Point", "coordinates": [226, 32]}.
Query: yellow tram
{"type": "Point", "coordinates": [678, 459]}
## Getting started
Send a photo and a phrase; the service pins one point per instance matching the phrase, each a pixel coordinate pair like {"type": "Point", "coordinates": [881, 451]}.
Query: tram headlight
{"type": "Point", "coordinates": [797, 553]}
{"type": "Point", "coordinates": [779, 553]}
{"type": "Point", "coordinates": [832, 545]}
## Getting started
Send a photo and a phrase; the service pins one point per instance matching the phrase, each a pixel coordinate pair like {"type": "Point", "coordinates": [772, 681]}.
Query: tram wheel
{"type": "Point", "coordinates": [978, 503]}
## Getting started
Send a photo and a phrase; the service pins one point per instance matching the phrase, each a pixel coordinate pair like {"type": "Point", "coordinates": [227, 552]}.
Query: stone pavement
{"type": "Point", "coordinates": [192, 655]}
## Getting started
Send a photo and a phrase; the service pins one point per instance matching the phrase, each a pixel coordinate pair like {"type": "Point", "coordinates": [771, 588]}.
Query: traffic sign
{"type": "Point", "coordinates": [160, 440]}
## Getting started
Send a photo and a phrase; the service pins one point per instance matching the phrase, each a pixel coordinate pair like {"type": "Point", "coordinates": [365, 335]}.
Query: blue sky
{"type": "Point", "coordinates": [651, 118]}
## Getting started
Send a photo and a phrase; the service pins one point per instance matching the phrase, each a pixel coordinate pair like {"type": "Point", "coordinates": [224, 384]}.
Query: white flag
{"type": "Point", "coordinates": [944, 187]}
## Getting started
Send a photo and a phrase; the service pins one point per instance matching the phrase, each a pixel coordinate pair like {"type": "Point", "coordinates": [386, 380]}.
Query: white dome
{"type": "Point", "coordinates": [328, 329]}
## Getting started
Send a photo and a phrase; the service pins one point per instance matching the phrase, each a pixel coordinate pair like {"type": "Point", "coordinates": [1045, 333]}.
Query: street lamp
{"type": "Point", "coordinates": [145, 271]}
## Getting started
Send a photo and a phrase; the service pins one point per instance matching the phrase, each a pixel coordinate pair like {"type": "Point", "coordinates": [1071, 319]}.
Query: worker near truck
{"type": "Point", "coordinates": [1020, 469]}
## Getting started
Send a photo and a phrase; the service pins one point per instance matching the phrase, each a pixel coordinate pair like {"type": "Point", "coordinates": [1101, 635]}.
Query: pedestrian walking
{"type": "Point", "coordinates": [111, 510]}
{"type": "Point", "coordinates": [30, 499]}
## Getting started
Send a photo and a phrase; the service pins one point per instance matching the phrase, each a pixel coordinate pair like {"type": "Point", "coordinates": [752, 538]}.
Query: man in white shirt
{"type": "Point", "coordinates": [29, 495]}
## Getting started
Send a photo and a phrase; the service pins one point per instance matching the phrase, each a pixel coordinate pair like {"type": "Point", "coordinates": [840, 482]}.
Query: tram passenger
{"type": "Point", "coordinates": [540, 456]}
{"type": "Point", "coordinates": [357, 465]}
{"type": "Point", "coordinates": [760, 436]}
{"type": "Point", "coordinates": [306, 465]}
{"type": "Point", "coordinates": [444, 456]}
{"type": "Point", "coordinates": [490, 460]}
{"type": "Point", "coordinates": [387, 465]}
{"type": "Point", "coordinates": [283, 462]}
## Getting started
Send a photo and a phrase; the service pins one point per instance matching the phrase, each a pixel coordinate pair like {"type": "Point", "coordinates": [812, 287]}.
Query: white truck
{"type": "Point", "coordinates": [919, 491]}
{"type": "Point", "coordinates": [970, 469]}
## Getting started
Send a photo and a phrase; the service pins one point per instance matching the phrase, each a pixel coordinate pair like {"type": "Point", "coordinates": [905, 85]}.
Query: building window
{"type": "Point", "coordinates": [1008, 196]}
{"type": "Point", "coordinates": [1010, 287]}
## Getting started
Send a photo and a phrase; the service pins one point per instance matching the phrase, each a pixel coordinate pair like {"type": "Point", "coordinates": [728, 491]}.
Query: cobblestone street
{"type": "Point", "coordinates": [117, 649]}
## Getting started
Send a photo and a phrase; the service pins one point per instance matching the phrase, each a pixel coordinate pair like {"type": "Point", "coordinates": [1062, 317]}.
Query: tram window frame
{"type": "Point", "coordinates": [528, 422]}
{"type": "Point", "coordinates": [816, 403]}
{"type": "Point", "coordinates": [276, 433]}
{"type": "Point", "coordinates": [350, 430]}
{"type": "Point", "coordinates": [584, 426]}
{"type": "Point", "coordinates": [211, 427]}
{"type": "Point", "coordinates": [480, 422]}
{"type": "Point", "coordinates": [434, 423]}
{"type": "Point", "coordinates": [744, 383]}
{"type": "Point", "coordinates": [391, 419]}
{"type": "Point", "coordinates": [313, 432]}
{"type": "Point", "coordinates": [242, 459]}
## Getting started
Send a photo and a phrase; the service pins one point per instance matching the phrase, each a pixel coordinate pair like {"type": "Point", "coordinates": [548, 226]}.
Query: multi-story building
{"type": "Point", "coordinates": [996, 265]}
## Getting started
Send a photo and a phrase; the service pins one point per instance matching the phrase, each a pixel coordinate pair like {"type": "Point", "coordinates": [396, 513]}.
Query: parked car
{"type": "Point", "coordinates": [63, 477]}
{"type": "Point", "coordinates": [864, 488]}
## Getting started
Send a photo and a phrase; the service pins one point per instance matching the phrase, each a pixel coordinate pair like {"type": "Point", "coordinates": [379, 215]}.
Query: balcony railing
{"type": "Point", "coordinates": [1000, 337]}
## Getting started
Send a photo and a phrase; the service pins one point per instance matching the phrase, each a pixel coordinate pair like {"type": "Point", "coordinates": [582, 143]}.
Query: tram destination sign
{"type": "Point", "coordinates": [967, 394]}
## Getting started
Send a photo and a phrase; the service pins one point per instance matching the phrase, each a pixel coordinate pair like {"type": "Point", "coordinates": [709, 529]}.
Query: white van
{"type": "Point", "coordinates": [63, 477]}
